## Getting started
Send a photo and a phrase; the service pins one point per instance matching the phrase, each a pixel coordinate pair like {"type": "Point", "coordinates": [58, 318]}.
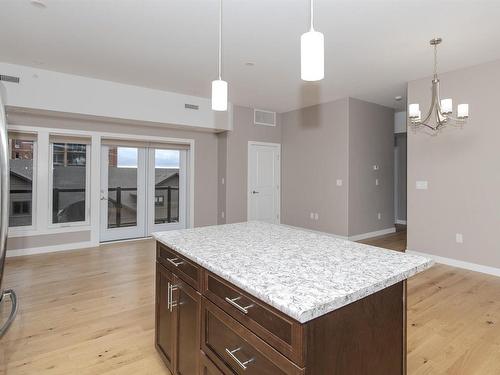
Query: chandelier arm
{"type": "Point", "coordinates": [433, 102]}
{"type": "Point", "coordinates": [426, 125]}
{"type": "Point", "coordinates": [457, 119]}
{"type": "Point", "coordinates": [440, 119]}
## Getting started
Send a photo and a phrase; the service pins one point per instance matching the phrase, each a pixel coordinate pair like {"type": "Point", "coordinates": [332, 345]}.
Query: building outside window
{"type": "Point", "coordinates": [21, 180]}
{"type": "Point", "coordinates": [69, 182]}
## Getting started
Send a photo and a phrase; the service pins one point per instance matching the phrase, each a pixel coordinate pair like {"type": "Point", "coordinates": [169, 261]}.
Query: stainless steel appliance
{"type": "Point", "coordinates": [4, 217]}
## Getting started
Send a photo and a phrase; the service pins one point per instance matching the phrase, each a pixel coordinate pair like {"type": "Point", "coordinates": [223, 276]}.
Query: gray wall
{"type": "Point", "coordinates": [401, 145]}
{"type": "Point", "coordinates": [340, 140]}
{"type": "Point", "coordinates": [221, 170]}
{"type": "Point", "coordinates": [205, 188]}
{"type": "Point", "coordinates": [314, 156]}
{"type": "Point", "coordinates": [371, 142]}
{"type": "Point", "coordinates": [462, 170]}
{"type": "Point", "coordinates": [236, 145]}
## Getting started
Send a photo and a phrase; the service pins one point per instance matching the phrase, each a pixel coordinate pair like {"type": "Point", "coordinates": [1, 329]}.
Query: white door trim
{"type": "Point", "coordinates": [268, 144]}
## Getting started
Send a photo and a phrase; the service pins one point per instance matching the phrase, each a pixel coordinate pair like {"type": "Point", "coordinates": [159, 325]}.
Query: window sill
{"type": "Point", "coordinates": [25, 232]}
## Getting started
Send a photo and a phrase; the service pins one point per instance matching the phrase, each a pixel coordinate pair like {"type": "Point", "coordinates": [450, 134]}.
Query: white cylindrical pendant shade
{"type": "Point", "coordinates": [219, 95]}
{"type": "Point", "coordinates": [312, 56]}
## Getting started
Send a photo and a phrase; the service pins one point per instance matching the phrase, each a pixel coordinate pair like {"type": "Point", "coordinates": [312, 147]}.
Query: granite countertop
{"type": "Point", "coordinates": [302, 273]}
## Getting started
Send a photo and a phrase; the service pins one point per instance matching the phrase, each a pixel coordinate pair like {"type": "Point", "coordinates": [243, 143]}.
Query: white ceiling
{"type": "Point", "coordinates": [373, 47]}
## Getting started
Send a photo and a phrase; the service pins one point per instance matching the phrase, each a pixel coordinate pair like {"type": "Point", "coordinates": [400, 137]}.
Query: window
{"type": "Point", "coordinates": [21, 150]}
{"type": "Point", "coordinates": [167, 164]}
{"type": "Point", "coordinates": [69, 182]}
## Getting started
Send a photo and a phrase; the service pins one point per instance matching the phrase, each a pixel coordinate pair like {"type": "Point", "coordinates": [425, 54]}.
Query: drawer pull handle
{"type": "Point", "coordinates": [243, 365]}
{"type": "Point", "coordinates": [232, 301]}
{"type": "Point", "coordinates": [170, 296]}
{"type": "Point", "coordinates": [174, 263]}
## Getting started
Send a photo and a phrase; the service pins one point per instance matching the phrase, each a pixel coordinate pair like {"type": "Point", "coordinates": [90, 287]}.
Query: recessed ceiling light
{"type": "Point", "coordinates": [38, 3]}
{"type": "Point", "coordinates": [249, 63]}
{"type": "Point", "coordinates": [398, 98]}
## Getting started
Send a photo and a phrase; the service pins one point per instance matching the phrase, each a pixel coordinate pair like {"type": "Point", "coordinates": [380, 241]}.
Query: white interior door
{"type": "Point", "coordinates": [123, 192]}
{"type": "Point", "coordinates": [264, 189]}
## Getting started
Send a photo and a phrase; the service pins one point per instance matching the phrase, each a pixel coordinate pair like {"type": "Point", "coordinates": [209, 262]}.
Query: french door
{"type": "Point", "coordinates": [143, 190]}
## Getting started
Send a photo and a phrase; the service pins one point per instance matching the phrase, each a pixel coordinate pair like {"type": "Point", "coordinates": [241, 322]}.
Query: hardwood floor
{"type": "Point", "coordinates": [91, 312]}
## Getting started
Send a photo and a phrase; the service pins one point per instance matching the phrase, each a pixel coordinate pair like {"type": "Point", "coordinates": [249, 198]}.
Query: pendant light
{"type": "Point", "coordinates": [312, 53]}
{"type": "Point", "coordinates": [219, 87]}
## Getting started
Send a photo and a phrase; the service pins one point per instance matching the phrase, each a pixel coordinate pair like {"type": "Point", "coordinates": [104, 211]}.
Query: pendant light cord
{"type": "Point", "coordinates": [220, 39]}
{"type": "Point", "coordinates": [312, 15]}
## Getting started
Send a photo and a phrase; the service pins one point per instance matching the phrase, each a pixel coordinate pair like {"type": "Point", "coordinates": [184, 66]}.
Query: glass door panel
{"type": "Point", "coordinates": [167, 189]}
{"type": "Point", "coordinates": [122, 192]}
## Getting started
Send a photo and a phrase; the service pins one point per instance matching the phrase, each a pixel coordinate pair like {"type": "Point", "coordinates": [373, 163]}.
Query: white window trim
{"type": "Point", "coordinates": [20, 230]}
{"type": "Point", "coordinates": [86, 222]}
{"type": "Point", "coordinates": [94, 226]}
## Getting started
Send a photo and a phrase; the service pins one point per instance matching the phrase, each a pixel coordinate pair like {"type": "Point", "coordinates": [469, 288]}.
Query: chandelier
{"type": "Point", "coordinates": [442, 109]}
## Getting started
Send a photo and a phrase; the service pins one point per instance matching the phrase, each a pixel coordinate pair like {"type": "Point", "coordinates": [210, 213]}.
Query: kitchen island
{"type": "Point", "coordinates": [260, 298]}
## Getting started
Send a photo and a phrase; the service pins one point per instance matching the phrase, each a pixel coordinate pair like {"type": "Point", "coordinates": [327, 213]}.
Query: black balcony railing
{"type": "Point", "coordinates": [117, 202]}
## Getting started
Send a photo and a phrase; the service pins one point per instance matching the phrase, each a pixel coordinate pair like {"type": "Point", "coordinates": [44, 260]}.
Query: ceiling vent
{"type": "Point", "coordinates": [191, 106]}
{"type": "Point", "coordinates": [261, 117]}
{"type": "Point", "coordinates": [9, 78]}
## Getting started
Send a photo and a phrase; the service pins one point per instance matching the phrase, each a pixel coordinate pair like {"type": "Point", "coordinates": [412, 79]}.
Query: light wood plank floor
{"type": "Point", "coordinates": [91, 312]}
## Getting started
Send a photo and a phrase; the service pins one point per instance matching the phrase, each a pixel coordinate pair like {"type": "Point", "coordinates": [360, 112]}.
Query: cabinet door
{"type": "Point", "coordinates": [165, 331]}
{"type": "Point", "coordinates": [187, 302]}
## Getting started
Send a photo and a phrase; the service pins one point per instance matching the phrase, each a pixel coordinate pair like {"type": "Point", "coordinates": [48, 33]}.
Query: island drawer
{"type": "Point", "coordinates": [188, 271]}
{"type": "Point", "coordinates": [265, 321]}
{"type": "Point", "coordinates": [207, 367]}
{"type": "Point", "coordinates": [230, 344]}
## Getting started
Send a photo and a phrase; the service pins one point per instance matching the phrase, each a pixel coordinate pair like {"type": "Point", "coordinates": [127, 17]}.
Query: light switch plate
{"type": "Point", "coordinates": [339, 182]}
{"type": "Point", "coordinates": [311, 215]}
{"type": "Point", "coordinates": [377, 182]}
{"type": "Point", "coordinates": [422, 185]}
{"type": "Point", "coordinates": [459, 238]}
{"type": "Point", "coordinates": [316, 216]}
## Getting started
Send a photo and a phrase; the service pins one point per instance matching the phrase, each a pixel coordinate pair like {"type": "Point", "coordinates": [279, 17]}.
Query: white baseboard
{"type": "Point", "coordinates": [459, 263]}
{"type": "Point", "coordinates": [402, 222]}
{"type": "Point", "coordinates": [50, 249]}
{"type": "Point", "coordinates": [363, 236]}
{"type": "Point", "coordinates": [317, 231]}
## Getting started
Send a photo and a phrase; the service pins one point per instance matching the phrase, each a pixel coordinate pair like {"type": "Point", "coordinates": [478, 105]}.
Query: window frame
{"type": "Point", "coordinates": [20, 229]}
{"type": "Point", "coordinates": [86, 222]}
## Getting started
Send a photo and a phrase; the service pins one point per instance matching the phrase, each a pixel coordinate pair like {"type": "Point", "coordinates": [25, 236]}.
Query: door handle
{"type": "Point", "coordinates": [255, 192]}
{"type": "Point", "coordinates": [171, 288]}
{"type": "Point", "coordinates": [243, 365]}
{"type": "Point", "coordinates": [173, 262]}
{"type": "Point", "coordinates": [232, 301]}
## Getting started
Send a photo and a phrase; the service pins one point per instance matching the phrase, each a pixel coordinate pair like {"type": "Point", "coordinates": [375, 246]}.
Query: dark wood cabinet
{"type": "Point", "coordinates": [177, 323]}
{"type": "Point", "coordinates": [206, 325]}
{"type": "Point", "coordinates": [187, 304]}
{"type": "Point", "coordinates": [207, 367]}
{"type": "Point", "coordinates": [165, 331]}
